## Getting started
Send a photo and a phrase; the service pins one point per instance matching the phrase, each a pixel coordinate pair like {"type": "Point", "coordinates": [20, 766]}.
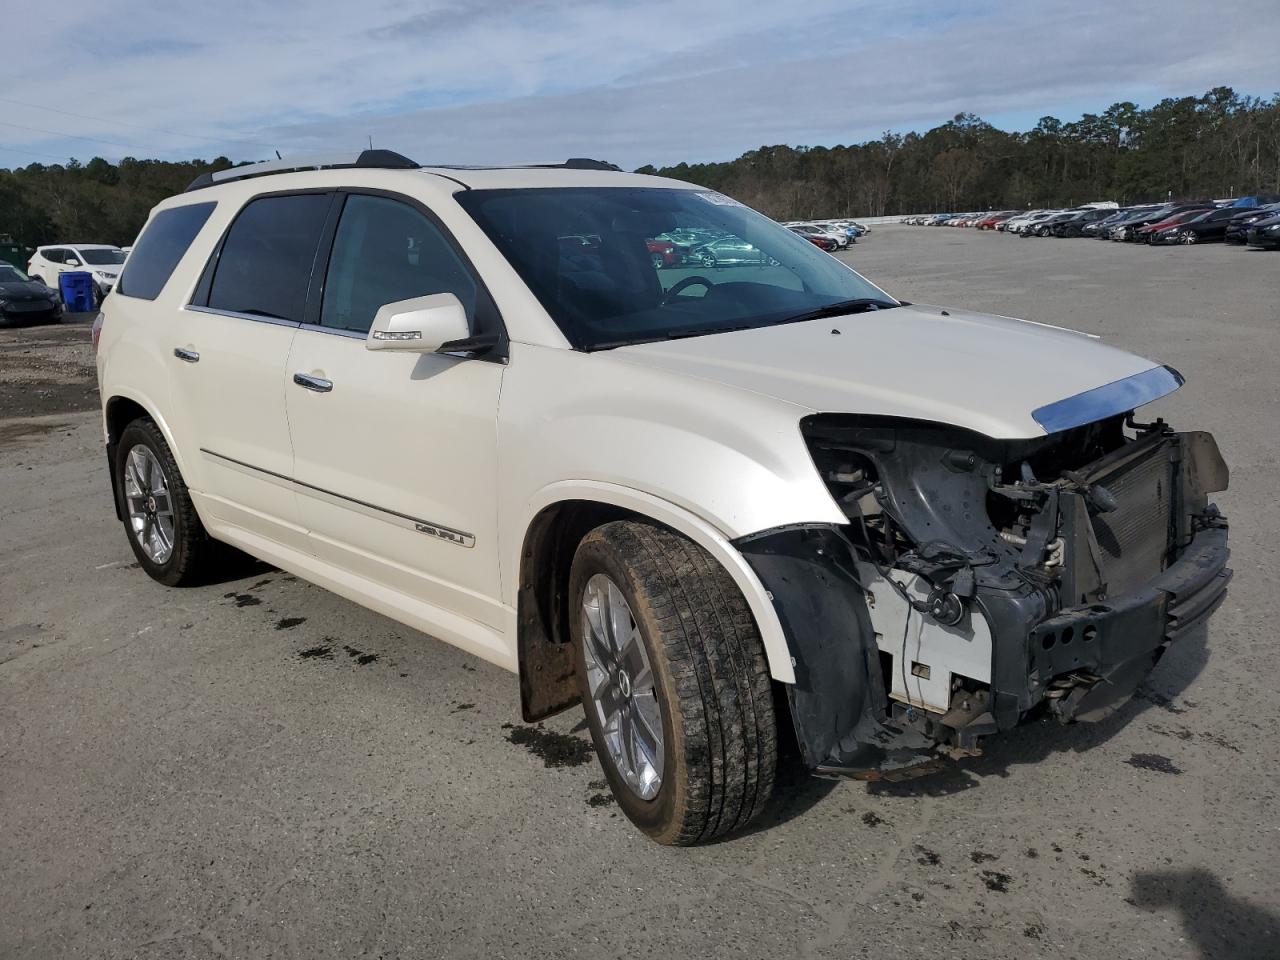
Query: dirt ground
{"type": "Point", "coordinates": [47, 369]}
{"type": "Point", "coordinates": [258, 768]}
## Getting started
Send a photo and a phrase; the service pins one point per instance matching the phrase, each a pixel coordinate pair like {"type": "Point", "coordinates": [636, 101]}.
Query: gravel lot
{"type": "Point", "coordinates": [260, 769]}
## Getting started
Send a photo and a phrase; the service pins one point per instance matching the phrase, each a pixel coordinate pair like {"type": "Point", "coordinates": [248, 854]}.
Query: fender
{"type": "Point", "coordinates": [682, 521]}
{"type": "Point", "coordinates": [150, 409]}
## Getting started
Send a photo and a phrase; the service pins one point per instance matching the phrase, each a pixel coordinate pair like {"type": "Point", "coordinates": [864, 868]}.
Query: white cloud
{"type": "Point", "coordinates": [451, 80]}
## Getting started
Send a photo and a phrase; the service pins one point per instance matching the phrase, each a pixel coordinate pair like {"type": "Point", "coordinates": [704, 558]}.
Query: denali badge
{"type": "Point", "coordinates": [444, 533]}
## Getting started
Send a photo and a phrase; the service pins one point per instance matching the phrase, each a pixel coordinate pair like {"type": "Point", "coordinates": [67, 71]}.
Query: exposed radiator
{"type": "Point", "coordinates": [1135, 537]}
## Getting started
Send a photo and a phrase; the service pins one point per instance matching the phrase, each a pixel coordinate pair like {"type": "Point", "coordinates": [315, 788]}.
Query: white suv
{"type": "Point", "coordinates": [710, 503]}
{"type": "Point", "coordinates": [104, 262]}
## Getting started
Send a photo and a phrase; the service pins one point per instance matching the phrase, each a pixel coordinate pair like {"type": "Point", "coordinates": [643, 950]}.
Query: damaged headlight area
{"type": "Point", "coordinates": [978, 580]}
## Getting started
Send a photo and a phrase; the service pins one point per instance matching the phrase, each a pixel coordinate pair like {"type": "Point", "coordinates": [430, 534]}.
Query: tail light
{"type": "Point", "coordinates": [96, 333]}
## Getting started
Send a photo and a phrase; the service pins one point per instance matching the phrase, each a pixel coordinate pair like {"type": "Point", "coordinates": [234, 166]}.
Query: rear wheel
{"type": "Point", "coordinates": [674, 683]}
{"type": "Point", "coordinates": [164, 531]}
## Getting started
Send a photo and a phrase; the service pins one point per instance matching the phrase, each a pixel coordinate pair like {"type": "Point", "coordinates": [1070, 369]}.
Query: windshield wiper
{"type": "Point", "coordinates": [840, 308]}
{"type": "Point", "coordinates": [700, 332]}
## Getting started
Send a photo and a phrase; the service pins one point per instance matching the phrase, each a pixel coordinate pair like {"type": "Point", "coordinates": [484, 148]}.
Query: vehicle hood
{"type": "Point", "coordinates": [24, 290]}
{"type": "Point", "coordinates": [1002, 377]}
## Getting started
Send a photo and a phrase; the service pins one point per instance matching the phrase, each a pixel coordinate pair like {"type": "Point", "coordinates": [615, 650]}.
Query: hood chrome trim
{"type": "Point", "coordinates": [1121, 396]}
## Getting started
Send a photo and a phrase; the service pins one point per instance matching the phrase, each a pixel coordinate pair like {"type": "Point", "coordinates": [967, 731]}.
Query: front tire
{"type": "Point", "coordinates": [164, 531]}
{"type": "Point", "coordinates": [674, 683]}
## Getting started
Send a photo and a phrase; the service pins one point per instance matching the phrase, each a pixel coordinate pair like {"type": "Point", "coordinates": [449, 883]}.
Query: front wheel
{"type": "Point", "coordinates": [674, 683]}
{"type": "Point", "coordinates": [164, 531]}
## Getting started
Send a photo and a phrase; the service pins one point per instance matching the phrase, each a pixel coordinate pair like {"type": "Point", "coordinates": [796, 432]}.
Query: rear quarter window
{"type": "Point", "coordinates": [157, 252]}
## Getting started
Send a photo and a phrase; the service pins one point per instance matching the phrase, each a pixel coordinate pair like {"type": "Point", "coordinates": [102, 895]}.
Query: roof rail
{"type": "Point", "coordinates": [369, 159]}
{"type": "Point", "coordinates": [573, 163]}
{"type": "Point", "coordinates": [585, 163]}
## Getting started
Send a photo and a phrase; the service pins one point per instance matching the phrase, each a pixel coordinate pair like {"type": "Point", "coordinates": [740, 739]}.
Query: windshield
{"type": "Point", "coordinates": [620, 265]}
{"type": "Point", "coordinates": [101, 257]}
{"type": "Point", "coordinates": [9, 274]}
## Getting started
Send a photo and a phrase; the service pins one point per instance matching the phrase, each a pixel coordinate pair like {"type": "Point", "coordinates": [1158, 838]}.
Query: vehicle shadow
{"type": "Point", "coordinates": [1221, 925]}
{"type": "Point", "coordinates": [233, 565]}
{"type": "Point", "coordinates": [1033, 742]}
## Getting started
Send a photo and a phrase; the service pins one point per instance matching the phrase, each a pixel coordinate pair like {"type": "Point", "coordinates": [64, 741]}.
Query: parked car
{"type": "Point", "coordinates": [1097, 228]}
{"type": "Point", "coordinates": [1122, 228]}
{"type": "Point", "coordinates": [1131, 230]}
{"type": "Point", "coordinates": [1022, 221]}
{"type": "Point", "coordinates": [1265, 233]}
{"type": "Point", "coordinates": [821, 242]}
{"type": "Point", "coordinates": [1238, 227]}
{"type": "Point", "coordinates": [1073, 225]}
{"type": "Point", "coordinates": [24, 300]}
{"type": "Point", "coordinates": [1045, 226]}
{"type": "Point", "coordinates": [665, 253]}
{"type": "Point", "coordinates": [1202, 227]}
{"type": "Point", "coordinates": [839, 238]}
{"type": "Point", "coordinates": [1031, 226]}
{"type": "Point", "coordinates": [1016, 221]}
{"type": "Point", "coordinates": [660, 501]}
{"type": "Point", "coordinates": [730, 252]}
{"type": "Point", "coordinates": [1145, 232]}
{"type": "Point", "coordinates": [99, 259]}
{"type": "Point", "coordinates": [993, 221]}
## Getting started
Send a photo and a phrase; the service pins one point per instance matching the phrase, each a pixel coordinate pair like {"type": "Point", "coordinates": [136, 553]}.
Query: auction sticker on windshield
{"type": "Point", "coordinates": [719, 199]}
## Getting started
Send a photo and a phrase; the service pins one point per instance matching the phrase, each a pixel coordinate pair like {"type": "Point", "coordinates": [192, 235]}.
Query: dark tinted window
{"type": "Point", "coordinates": [102, 257]}
{"type": "Point", "coordinates": [266, 261]}
{"type": "Point", "coordinates": [159, 249]}
{"type": "Point", "coordinates": [605, 262]}
{"type": "Point", "coordinates": [53, 256]}
{"type": "Point", "coordinates": [386, 251]}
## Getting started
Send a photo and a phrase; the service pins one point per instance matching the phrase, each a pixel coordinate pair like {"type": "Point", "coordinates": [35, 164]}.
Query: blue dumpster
{"type": "Point", "coordinates": [76, 287]}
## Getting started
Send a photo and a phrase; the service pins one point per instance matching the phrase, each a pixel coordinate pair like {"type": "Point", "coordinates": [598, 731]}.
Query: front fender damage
{"type": "Point", "coordinates": [966, 592]}
{"type": "Point", "coordinates": [837, 702]}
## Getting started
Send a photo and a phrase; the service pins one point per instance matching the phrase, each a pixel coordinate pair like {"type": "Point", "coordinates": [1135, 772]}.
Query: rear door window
{"type": "Point", "coordinates": [267, 257]}
{"type": "Point", "coordinates": [163, 243]}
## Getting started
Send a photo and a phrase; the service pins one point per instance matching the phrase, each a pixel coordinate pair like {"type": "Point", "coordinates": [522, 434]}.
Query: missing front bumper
{"type": "Point", "coordinates": [1083, 660]}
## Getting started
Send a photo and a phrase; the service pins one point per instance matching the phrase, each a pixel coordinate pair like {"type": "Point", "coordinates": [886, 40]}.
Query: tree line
{"type": "Point", "coordinates": [1217, 145]}
{"type": "Point", "coordinates": [1221, 144]}
{"type": "Point", "coordinates": [94, 202]}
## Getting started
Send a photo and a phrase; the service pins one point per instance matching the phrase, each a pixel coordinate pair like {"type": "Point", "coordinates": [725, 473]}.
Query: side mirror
{"type": "Point", "coordinates": [73, 262]}
{"type": "Point", "coordinates": [420, 325]}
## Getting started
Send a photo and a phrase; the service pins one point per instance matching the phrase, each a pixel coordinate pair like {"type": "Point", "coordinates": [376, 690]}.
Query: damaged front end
{"type": "Point", "coordinates": [979, 579]}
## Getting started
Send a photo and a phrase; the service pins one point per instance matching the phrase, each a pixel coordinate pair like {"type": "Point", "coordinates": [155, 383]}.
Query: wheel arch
{"type": "Point", "coordinates": [120, 410]}
{"type": "Point", "coordinates": [555, 523]}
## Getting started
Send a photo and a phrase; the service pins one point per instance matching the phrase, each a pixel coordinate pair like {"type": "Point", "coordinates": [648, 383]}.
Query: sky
{"type": "Point", "coordinates": [659, 81]}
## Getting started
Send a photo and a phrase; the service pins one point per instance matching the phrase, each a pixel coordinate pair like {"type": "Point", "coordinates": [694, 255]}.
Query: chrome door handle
{"type": "Point", "coordinates": [318, 384]}
{"type": "Point", "coordinates": [190, 356]}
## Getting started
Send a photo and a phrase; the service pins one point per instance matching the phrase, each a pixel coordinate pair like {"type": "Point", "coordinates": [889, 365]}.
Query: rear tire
{"type": "Point", "coordinates": [704, 665]}
{"type": "Point", "coordinates": [182, 554]}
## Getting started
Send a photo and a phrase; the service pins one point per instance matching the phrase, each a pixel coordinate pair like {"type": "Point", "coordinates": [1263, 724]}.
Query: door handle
{"type": "Point", "coordinates": [190, 356]}
{"type": "Point", "coordinates": [317, 384]}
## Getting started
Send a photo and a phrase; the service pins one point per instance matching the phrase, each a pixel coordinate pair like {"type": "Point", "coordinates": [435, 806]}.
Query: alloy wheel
{"type": "Point", "coordinates": [146, 492]}
{"type": "Point", "coordinates": [621, 683]}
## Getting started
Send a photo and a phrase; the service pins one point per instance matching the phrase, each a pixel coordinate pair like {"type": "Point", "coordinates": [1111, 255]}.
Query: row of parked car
{"type": "Point", "coordinates": [701, 247]}
{"type": "Point", "coordinates": [1253, 220]}
{"type": "Point", "coordinates": [830, 235]}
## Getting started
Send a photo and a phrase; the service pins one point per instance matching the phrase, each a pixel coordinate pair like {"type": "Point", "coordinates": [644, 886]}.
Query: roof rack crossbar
{"type": "Point", "coordinates": [368, 159]}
